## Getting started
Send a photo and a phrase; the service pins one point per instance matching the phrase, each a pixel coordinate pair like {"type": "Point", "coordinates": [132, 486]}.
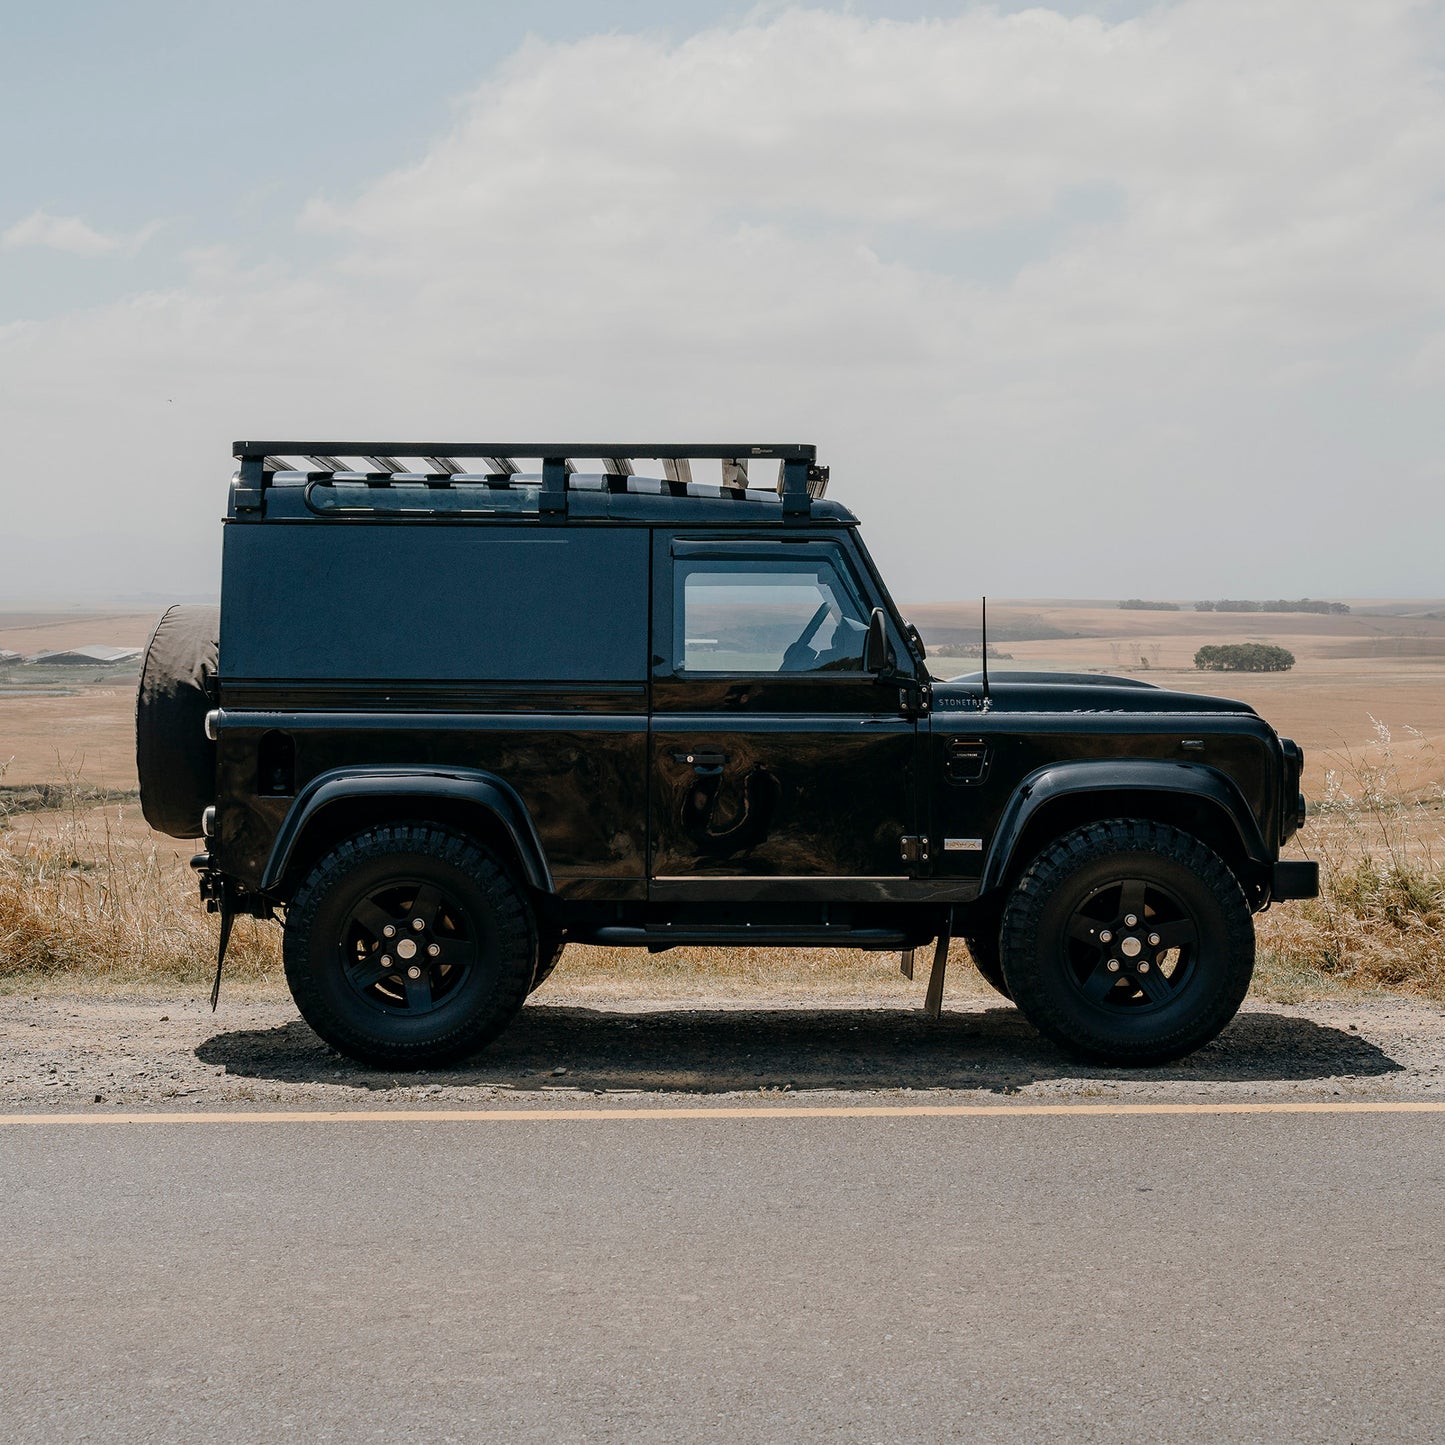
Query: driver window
{"type": "Point", "coordinates": [751, 615]}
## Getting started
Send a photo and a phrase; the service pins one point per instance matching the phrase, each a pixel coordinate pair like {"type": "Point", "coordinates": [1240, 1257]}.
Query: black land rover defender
{"type": "Point", "coordinates": [464, 714]}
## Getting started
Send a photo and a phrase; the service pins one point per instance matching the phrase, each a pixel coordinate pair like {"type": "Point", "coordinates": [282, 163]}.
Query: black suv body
{"type": "Point", "coordinates": [465, 714]}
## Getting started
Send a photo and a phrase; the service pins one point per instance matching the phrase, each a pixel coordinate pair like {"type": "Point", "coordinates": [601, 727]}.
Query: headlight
{"type": "Point", "coordinates": [1294, 757]}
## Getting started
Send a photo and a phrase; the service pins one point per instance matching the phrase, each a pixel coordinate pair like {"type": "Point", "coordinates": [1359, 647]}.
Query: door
{"type": "Point", "coordinates": [779, 768]}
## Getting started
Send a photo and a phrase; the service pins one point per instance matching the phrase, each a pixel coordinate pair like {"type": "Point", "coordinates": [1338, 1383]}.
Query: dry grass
{"type": "Point", "coordinates": [1377, 833]}
{"type": "Point", "coordinates": [89, 895]}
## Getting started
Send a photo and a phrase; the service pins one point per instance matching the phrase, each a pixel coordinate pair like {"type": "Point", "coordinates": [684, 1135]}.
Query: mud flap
{"type": "Point", "coordinates": [933, 1001]}
{"type": "Point", "coordinates": [225, 906]}
{"type": "Point", "coordinates": [905, 963]}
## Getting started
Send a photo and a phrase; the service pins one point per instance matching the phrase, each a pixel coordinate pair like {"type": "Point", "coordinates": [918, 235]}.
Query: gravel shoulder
{"type": "Point", "coordinates": [67, 1051]}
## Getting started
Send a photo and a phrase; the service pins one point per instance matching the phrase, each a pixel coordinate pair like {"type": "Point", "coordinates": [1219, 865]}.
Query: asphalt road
{"type": "Point", "coordinates": [1115, 1276]}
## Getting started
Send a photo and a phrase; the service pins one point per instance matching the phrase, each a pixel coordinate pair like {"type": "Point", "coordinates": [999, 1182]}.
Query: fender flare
{"type": "Point", "coordinates": [1058, 780]}
{"type": "Point", "coordinates": [467, 785]}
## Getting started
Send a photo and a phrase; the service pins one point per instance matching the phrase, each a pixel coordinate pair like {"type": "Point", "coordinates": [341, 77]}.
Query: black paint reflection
{"type": "Point", "coordinates": [718, 831]}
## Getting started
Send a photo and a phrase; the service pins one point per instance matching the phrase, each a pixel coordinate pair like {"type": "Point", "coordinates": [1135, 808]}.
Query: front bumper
{"type": "Point", "coordinates": [1295, 879]}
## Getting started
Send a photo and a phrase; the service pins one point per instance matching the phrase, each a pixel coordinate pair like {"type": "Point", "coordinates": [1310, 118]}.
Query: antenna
{"type": "Point", "coordinates": [983, 650]}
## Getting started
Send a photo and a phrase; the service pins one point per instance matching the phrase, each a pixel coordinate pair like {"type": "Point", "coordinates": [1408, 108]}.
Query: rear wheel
{"type": "Point", "coordinates": [1128, 942]}
{"type": "Point", "coordinates": [409, 946]}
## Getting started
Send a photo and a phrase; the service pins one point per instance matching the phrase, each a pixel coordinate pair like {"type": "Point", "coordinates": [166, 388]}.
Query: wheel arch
{"type": "Point", "coordinates": [1198, 800]}
{"type": "Point", "coordinates": [337, 804]}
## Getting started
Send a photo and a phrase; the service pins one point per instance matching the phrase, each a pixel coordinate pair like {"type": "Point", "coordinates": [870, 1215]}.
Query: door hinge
{"type": "Point", "coordinates": [914, 701]}
{"type": "Point", "coordinates": [913, 848]}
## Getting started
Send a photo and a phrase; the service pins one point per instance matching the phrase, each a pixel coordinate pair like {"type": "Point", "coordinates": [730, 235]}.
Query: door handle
{"type": "Point", "coordinates": [702, 762]}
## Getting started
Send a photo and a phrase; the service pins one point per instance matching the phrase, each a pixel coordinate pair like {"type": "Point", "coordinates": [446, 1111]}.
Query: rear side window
{"type": "Point", "coordinates": [383, 601]}
{"type": "Point", "coordinates": [751, 614]}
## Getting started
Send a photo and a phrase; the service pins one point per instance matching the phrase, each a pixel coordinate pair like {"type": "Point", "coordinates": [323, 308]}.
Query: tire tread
{"type": "Point", "coordinates": [511, 918]}
{"type": "Point", "coordinates": [1088, 844]}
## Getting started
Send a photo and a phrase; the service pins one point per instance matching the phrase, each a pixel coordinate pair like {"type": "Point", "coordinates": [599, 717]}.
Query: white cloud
{"type": "Point", "coordinates": [1177, 390]}
{"type": "Point", "coordinates": [72, 235]}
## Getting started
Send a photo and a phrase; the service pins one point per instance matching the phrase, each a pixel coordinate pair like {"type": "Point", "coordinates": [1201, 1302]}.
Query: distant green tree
{"type": "Point", "coordinates": [1244, 657]}
{"type": "Point", "coordinates": [1280, 604]}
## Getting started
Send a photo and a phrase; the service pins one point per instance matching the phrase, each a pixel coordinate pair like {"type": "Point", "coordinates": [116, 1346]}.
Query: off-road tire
{"type": "Point", "coordinates": [473, 883]}
{"type": "Point", "coordinates": [550, 944]}
{"type": "Point", "coordinates": [983, 948]}
{"type": "Point", "coordinates": [1048, 968]}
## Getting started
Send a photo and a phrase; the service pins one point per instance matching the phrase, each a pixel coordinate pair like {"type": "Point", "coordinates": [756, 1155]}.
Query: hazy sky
{"type": "Point", "coordinates": [1092, 300]}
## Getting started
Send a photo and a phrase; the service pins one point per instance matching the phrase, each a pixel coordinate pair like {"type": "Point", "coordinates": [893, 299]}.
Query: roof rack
{"type": "Point", "coordinates": [800, 480]}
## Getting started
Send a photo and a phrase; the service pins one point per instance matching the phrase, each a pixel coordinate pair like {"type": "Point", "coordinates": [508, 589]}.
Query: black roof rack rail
{"type": "Point", "coordinates": [800, 479]}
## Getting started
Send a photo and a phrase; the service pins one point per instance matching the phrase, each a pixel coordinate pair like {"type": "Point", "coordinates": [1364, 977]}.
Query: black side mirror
{"type": "Point", "coordinates": [875, 648]}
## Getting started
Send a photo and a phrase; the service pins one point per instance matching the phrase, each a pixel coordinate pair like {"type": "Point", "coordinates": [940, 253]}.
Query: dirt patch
{"type": "Point", "coordinates": [66, 1051]}
{"type": "Point", "coordinates": [48, 797]}
{"type": "Point", "coordinates": [87, 734]}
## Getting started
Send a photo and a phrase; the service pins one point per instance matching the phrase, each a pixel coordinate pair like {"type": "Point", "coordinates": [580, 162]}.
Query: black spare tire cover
{"type": "Point", "coordinates": [175, 760]}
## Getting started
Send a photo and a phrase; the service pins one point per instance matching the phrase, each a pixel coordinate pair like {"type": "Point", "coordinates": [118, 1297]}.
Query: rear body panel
{"type": "Point", "coordinates": [581, 776]}
{"type": "Point", "coordinates": [411, 645]}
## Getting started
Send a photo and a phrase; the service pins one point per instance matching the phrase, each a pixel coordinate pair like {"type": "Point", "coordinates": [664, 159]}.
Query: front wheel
{"type": "Point", "coordinates": [408, 946]}
{"type": "Point", "coordinates": [1128, 942]}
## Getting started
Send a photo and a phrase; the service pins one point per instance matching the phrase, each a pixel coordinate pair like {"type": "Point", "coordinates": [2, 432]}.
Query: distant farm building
{"type": "Point", "coordinates": [87, 656]}
{"type": "Point", "coordinates": [8, 657]}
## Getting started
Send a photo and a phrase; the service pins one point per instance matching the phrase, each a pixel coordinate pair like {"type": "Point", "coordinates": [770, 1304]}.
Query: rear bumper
{"type": "Point", "coordinates": [1295, 879]}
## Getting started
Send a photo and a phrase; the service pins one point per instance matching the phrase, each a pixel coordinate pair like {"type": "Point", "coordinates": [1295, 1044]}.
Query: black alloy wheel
{"type": "Point", "coordinates": [408, 946]}
{"type": "Point", "coordinates": [1128, 942]}
{"type": "Point", "coordinates": [1131, 944]}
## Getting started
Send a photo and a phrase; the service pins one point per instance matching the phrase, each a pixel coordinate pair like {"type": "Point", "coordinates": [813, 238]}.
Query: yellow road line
{"type": "Point", "coordinates": [608, 1113]}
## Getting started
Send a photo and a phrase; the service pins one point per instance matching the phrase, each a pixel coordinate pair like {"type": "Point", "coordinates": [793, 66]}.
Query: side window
{"type": "Point", "coordinates": [753, 614]}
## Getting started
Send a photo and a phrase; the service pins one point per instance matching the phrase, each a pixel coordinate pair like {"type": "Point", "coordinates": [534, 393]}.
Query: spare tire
{"type": "Point", "coordinates": [175, 760]}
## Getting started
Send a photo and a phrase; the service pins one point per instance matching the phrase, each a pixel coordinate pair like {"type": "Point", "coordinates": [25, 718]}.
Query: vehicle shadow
{"type": "Point", "coordinates": [724, 1050]}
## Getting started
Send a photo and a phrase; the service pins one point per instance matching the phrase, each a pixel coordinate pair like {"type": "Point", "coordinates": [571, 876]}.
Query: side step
{"type": "Point", "coordinates": [745, 935]}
